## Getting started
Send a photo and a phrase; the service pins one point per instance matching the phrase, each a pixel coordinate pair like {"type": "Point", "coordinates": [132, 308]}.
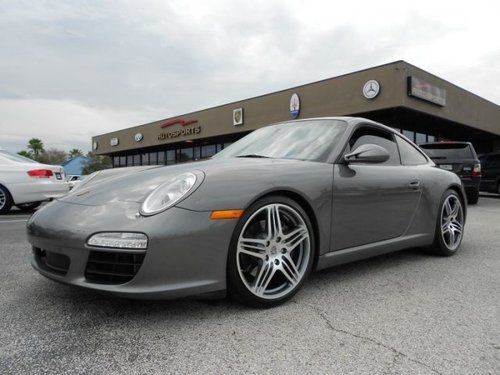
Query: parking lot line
{"type": "Point", "coordinates": [13, 221]}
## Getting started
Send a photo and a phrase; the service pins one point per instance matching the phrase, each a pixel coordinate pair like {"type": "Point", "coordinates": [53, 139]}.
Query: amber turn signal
{"type": "Point", "coordinates": [226, 214]}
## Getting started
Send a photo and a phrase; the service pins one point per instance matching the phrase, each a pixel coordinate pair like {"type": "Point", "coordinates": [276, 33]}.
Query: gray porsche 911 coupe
{"type": "Point", "coordinates": [255, 219]}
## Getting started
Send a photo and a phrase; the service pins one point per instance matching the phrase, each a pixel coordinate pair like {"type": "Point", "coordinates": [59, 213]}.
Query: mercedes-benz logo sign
{"type": "Point", "coordinates": [371, 89]}
{"type": "Point", "coordinates": [138, 137]}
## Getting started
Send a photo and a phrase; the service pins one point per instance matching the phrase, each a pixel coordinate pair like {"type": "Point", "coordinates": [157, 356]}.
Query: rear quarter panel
{"type": "Point", "coordinates": [435, 182]}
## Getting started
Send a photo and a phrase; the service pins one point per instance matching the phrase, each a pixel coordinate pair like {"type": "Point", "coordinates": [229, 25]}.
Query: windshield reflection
{"type": "Point", "coordinates": [302, 140]}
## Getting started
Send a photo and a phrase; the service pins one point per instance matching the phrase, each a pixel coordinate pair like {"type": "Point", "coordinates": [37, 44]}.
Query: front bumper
{"type": "Point", "coordinates": [186, 254]}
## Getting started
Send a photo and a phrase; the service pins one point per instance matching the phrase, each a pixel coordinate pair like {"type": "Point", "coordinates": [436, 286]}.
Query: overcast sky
{"type": "Point", "coordinates": [73, 69]}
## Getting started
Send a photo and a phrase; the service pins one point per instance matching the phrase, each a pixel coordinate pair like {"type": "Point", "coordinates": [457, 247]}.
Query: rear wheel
{"type": "Point", "coordinates": [450, 225]}
{"type": "Point", "coordinates": [5, 200]}
{"type": "Point", "coordinates": [28, 206]}
{"type": "Point", "coordinates": [271, 254]}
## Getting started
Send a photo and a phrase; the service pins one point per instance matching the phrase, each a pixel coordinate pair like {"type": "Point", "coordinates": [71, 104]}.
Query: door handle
{"type": "Point", "coordinates": [414, 184]}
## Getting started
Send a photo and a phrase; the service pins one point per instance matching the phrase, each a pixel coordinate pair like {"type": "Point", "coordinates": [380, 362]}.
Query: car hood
{"type": "Point", "coordinates": [137, 185]}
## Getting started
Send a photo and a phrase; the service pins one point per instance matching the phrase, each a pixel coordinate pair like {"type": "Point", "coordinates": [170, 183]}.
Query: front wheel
{"type": "Point", "coordinates": [450, 225]}
{"type": "Point", "coordinates": [271, 253]}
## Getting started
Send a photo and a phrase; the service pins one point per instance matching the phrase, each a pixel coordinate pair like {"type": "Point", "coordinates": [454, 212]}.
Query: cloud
{"type": "Point", "coordinates": [106, 65]}
{"type": "Point", "coordinates": [60, 124]}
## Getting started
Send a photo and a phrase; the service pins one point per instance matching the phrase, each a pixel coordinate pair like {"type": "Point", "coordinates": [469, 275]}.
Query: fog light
{"type": "Point", "coordinates": [119, 240]}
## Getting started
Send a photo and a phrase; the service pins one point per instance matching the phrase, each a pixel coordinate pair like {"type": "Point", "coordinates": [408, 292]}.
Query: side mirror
{"type": "Point", "coordinates": [367, 153]}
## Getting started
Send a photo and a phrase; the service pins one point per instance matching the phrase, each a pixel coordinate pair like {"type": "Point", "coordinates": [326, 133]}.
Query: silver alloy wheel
{"type": "Point", "coordinates": [452, 222]}
{"type": "Point", "coordinates": [273, 251]}
{"type": "Point", "coordinates": [3, 199]}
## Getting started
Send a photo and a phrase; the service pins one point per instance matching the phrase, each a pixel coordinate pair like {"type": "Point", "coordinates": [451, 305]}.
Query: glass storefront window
{"type": "Point", "coordinates": [431, 138]}
{"type": "Point", "coordinates": [170, 156]}
{"type": "Point", "coordinates": [123, 161]}
{"type": "Point", "coordinates": [409, 134]}
{"type": "Point", "coordinates": [186, 154]}
{"type": "Point", "coordinates": [136, 159]}
{"type": "Point", "coordinates": [420, 138]}
{"type": "Point", "coordinates": [197, 152]}
{"type": "Point", "coordinates": [153, 158]}
{"type": "Point", "coordinates": [116, 161]}
{"type": "Point", "coordinates": [207, 151]}
{"type": "Point", "coordinates": [161, 157]}
{"type": "Point", "coordinates": [145, 159]}
{"type": "Point", "coordinates": [130, 160]}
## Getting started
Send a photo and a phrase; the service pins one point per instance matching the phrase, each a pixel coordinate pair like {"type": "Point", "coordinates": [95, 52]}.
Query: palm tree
{"type": "Point", "coordinates": [26, 154]}
{"type": "Point", "coordinates": [36, 146]}
{"type": "Point", "coordinates": [74, 153]}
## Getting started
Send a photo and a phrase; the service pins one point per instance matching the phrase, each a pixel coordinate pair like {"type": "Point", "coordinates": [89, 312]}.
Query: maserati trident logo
{"type": "Point", "coordinates": [295, 105]}
{"type": "Point", "coordinates": [371, 89]}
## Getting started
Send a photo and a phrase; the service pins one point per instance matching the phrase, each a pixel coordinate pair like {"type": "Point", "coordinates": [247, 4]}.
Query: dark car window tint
{"type": "Point", "coordinates": [368, 135]}
{"type": "Point", "coordinates": [409, 154]}
{"type": "Point", "coordinates": [493, 161]}
{"type": "Point", "coordinates": [448, 151]}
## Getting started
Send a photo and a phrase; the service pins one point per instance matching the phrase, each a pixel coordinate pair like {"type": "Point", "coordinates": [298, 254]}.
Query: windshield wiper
{"type": "Point", "coordinates": [252, 156]}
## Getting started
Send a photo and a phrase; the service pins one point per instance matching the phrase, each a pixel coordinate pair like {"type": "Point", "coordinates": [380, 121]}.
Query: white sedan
{"type": "Point", "coordinates": [26, 183]}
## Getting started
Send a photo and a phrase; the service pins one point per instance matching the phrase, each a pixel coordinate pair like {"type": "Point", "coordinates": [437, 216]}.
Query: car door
{"type": "Point", "coordinates": [372, 202]}
{"type": "Point", "coordinates": [490, 172]}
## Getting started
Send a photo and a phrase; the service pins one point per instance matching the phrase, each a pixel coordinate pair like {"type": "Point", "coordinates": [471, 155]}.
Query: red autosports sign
{"type": "Point", "coordinates": [178, 121]}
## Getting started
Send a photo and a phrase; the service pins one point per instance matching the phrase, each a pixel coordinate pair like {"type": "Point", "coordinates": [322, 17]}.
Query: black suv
{"type": "Point", "coordinates": [490, 180]}
{"type": "Point", "coordinates": [461, 158]}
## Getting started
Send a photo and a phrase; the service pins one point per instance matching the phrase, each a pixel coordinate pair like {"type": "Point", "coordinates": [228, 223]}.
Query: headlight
{"type": "Point", "coordinates": [119, 240]}
{"type": "Point", "coordinates": [168, 194]}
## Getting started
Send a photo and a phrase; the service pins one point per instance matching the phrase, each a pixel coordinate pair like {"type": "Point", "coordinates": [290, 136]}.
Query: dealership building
{"type": "Point", "coordinates": [422, 106]}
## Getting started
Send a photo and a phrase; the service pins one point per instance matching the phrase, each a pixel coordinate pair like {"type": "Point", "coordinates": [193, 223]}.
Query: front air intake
{"type": "Point", "coordinates": [106, 267]}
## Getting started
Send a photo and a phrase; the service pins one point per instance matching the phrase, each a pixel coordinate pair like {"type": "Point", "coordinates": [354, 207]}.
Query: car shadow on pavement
{"type": "Point", "coordinates": [17, 212]}
{"type": "Point", "coordinates": [488, 195]}
{"type": "Point", "coordinates": [77, 301]}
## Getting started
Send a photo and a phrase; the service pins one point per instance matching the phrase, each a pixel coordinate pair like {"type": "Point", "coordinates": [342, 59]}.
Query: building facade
{"type": "Point", "coordinates": [422, 106]}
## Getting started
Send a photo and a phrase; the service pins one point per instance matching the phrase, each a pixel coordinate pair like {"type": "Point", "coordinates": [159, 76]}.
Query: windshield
{"type": "Point", "coordinates": [302, 140]}
{"type": "Point", "coordinates": [448, 151]}
{"type": "Point", "coordinates": [15, 157]}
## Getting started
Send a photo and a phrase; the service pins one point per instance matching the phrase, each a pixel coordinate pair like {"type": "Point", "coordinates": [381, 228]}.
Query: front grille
{"type": "Point", "coordinates": [106, 267]}
{"type": "Point", "coordinates": [52, 262]}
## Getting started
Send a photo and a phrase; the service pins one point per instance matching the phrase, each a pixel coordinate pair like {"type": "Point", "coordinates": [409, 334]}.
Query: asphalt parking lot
{"type": "Point", "coordinates": [402, 313]}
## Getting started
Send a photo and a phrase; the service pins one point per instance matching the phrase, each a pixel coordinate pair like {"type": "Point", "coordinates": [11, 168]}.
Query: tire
{"type": "Point", "coordinates": [5, 200]}
{"type": "Point", "coordinates": [28, 206]}
{"type": "Point", "coordinates": [449, 225]}
{"type": "Point", "coordinates": [268, 263]}
{"type": "Point", "coordinates": [473, 197]}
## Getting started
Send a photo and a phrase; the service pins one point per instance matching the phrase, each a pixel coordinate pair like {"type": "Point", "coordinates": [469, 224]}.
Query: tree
{"type": "Point", "coordinates": [96, 163]}
{"type": "Point", "coordinates": [26, 154]}
{"type": "Point", "coordinates": [52, 156]}
{"type": "Point", "coordinates": [73, 153]}
{"type": "Point", "coordinates": [36, 147]}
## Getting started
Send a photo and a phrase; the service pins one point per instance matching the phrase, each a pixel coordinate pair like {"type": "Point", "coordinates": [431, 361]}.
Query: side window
{"type": "Point", "coordinates": [409, 154]}
{"type": "Point", "coordinates": [370, 135]}
{"type": "Point", "coordinates": [493, 161]}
